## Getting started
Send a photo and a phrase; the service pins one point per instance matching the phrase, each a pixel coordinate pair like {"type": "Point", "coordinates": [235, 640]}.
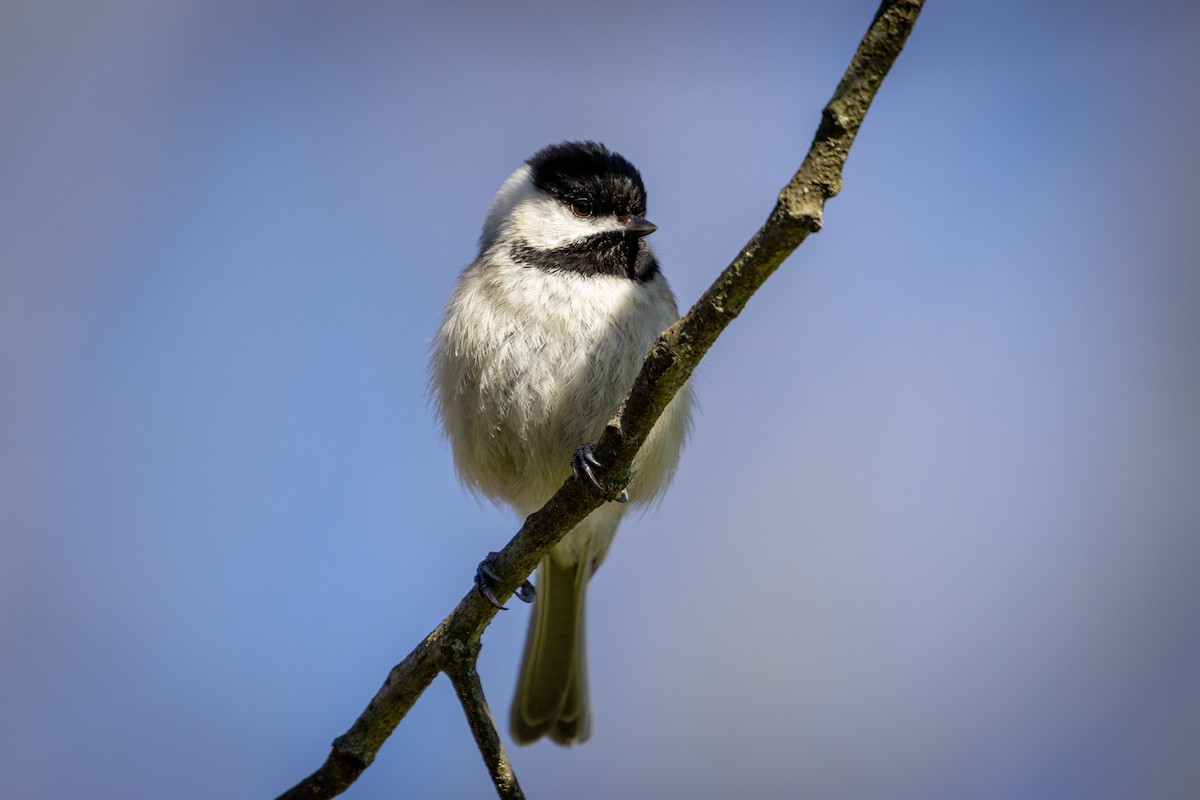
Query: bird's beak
{"type": "Point", "coordinates": [640, 226]}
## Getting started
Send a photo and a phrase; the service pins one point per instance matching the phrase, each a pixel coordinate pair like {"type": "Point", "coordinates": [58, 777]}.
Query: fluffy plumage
{"type": "Point", "coordinates": [542, 338]}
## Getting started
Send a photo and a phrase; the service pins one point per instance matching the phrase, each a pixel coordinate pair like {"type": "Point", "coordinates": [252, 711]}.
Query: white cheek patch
{"type": "Point", "coordinates": [521, 211]}
{"type": "Point", "coordinates": [546, 224]}
{"type": "Point", "coordinates": [517, 188]}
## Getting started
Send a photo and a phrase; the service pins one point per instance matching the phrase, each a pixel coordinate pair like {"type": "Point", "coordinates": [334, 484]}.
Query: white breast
{"type": "Point", "coordinates": [530, 364]}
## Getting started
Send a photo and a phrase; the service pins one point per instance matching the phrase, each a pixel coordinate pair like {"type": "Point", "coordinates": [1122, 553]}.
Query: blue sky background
{"type": "Point", "coordinates": [936, 534]}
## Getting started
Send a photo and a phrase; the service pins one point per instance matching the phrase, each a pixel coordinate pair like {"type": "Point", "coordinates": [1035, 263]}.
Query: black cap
{"type": "Point", "coordinates": [589, 170]}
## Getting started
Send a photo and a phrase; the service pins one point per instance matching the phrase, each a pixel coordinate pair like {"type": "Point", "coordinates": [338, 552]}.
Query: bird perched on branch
{"type": "Point", "coordinates": [541, 340]}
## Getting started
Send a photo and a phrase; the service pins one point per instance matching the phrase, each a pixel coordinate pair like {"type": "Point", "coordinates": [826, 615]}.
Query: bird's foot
{"type": "Point", "coordinates": [581, 465]}
{"type": "Point", "coordinates": [486, 578]}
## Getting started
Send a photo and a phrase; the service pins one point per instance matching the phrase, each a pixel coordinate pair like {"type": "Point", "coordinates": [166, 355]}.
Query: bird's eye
{"type": "Point", "coordinates": [581, 207]}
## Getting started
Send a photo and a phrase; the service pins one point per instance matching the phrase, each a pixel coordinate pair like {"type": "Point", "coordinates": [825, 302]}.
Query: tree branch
{"type": "Point", "coordinates": [465, 677]}
{"type": "Point", "coordinates": [670, 362]}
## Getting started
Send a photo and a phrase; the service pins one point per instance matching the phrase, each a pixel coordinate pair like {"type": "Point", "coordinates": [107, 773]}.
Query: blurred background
{"type": "Point", "coordinates": [937, 531]}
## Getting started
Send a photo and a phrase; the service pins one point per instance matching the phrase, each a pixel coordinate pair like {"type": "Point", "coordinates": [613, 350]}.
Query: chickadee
{"type": "Point", "coordinates": [541, 340]}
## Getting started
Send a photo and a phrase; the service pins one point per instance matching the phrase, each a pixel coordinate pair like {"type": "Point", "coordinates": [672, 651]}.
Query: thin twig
{"type": "Point", "coordinates": [668, 365]}
{"type": "Point", "coordinates": [463, 674]}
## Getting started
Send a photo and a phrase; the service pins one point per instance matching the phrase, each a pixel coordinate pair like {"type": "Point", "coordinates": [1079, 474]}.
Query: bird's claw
{"type": "Point", "coordinates": [581, 465]}
{"type": "Point", "coordinates": [486, 578]}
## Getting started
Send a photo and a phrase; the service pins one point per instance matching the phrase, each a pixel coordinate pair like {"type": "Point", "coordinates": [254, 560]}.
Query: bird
{"type": "Point", "coordinates": [540, 341]}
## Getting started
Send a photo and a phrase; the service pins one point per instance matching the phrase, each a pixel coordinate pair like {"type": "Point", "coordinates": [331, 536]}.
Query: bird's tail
{"type": "Point", "coordinates": [552, 691]}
